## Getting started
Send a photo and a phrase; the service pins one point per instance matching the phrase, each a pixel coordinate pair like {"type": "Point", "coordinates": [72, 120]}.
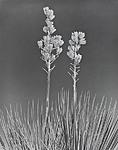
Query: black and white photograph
{"type": "Point", "coordinates": [58, 74]}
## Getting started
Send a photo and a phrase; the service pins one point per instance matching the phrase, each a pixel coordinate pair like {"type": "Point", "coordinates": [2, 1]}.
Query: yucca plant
{"type": "Point", "coordinates": [50, 48]}
{"type": "Point", "coordinates": [68, 126]}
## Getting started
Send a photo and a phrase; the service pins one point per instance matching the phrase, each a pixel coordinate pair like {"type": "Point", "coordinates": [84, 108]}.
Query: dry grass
{"type": "Point", "coordinates": [96, 125]}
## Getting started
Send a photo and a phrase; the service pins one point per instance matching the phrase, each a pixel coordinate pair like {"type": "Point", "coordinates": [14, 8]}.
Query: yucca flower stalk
{"type": "Point", "coordinates": [50, 48]}
{"type": "Point", "coordinates": [77, 39]}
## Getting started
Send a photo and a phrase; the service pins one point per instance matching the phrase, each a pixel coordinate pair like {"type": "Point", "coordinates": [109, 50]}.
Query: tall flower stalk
{"type": "Point", "coordinates": [77, 39]}
{"type": "Point", "coordinates": [50, 48]}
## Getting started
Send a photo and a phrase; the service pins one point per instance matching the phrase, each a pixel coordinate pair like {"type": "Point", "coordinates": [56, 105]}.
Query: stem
{"type": "Point", "coordinates": [74, 86]}
{"type": "Point", "coordinates": [75, 99]}
{"type": "Point", "coordinates": [48, 89]}
{"type": "Point", "coordinates": [48, 85]}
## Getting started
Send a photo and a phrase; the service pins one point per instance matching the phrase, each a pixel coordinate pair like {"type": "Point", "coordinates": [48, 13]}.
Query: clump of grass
{"type": "Point", "coordinates": [97, 126]}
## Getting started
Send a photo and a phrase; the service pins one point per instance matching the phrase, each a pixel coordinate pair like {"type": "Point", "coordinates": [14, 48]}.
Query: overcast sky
{"type": "Point", "coordinates": [21, 23]}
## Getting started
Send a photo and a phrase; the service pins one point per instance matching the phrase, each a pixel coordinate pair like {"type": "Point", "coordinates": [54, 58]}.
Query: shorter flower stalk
{"type": "Point", "coordinates": [77, 39]}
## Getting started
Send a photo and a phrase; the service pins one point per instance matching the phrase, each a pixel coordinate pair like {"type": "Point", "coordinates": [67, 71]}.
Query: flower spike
{"type": "Point", "coordinates": [51, 48]}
